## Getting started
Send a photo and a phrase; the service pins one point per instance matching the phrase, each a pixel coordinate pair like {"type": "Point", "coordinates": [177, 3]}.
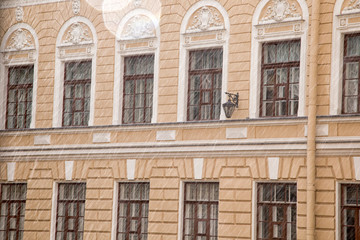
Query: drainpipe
{"type": "Point", "coordinates": [311, 144]}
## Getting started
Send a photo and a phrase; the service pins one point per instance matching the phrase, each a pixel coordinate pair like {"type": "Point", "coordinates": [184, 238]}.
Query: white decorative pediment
{"type": "Point", "coordinates": [19, 14]}
{"type": "Point", "coordinates": [353, 6]}
{"type": "Point", "coordinates": [77, 34]}
{"type": "Point", "coordinates": [19, 40]}
{"type": "Point", "coordinates": [281, 10]}
{"type": "Point", "coordinates": [205, 19]}
{"type": "Point", "coordinates": [76, 6]}
{"type": "Point", "coordinates": [138, 27]}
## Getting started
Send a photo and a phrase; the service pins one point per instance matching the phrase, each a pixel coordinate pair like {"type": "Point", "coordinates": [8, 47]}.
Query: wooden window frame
{"type": "Point", "coordinates": [74, 83]}
{"type": "Point", "coordinates": [195, 203]}
{"type": "Point", "coordinates": [66, 217]}
{"type": "Point", "coordinates": [355, 207]}
{"type": "Point", "coordinates": [275, 66]}
{"type": "Point", "coordinates": [18, 210]}
{"type": "Point", "coordinates": [201, 72]}
{"type": "Point", "coordinates": [17, 87]}
{"type": "Point", "coordinates": [134, 78]}
{"type": "Point", "coordinates": [345, 61]}
{"type": "Point", "coordinates": [128, 217]}
{"type": "Point", "coordinates": [284, 204]}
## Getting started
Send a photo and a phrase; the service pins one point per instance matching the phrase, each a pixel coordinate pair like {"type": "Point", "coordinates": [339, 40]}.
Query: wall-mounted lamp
{"type": "Point", "coordinates": [230, 105]}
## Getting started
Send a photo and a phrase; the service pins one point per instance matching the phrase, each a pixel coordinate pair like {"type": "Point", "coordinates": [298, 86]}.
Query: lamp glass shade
{"type": "Point", "coordinates": [229, 108]}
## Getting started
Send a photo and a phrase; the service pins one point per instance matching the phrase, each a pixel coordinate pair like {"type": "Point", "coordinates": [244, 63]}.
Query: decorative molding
{"type": "Point", "coordinates": [137, 27]}
{"type": "Point", "coordinates": [130, 168]}
{"type": "Point", "coordinates": [11, 171]}
{"type": "Point", "coordinates": [198, 167]}
{"type": "Point", "coordinates": [206, 19]}
{"type": "Point", "coordinates": [273, 165]}
{"type": "Point", "coordinates": [15, 3]}
{"type": "Point", "coordinates": [76, 6]}
{"type": "Point", "coordinates": [69, 166]}
{"type": "Point", "coordinates": [19, 13]}
{"type": "Point", "coordinates": [166, 135]}
{"type": "Point", "coordinates": [77, 34]}
{"type": "Point", "coordinates": [21, 39]}
{"type": "Point", "coordinates": [354, 6]}
{"type": "Point", "coordinates": [280, 10]}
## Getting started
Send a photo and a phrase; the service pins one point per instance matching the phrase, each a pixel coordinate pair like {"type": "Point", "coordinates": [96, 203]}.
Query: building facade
{"type": "Point", "coordinates": [112, 126]}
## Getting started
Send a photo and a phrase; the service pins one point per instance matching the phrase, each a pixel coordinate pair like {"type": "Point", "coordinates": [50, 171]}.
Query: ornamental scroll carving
{"type": "Point", "coordinates": [353, 5]}
{"type": "Point", "coordinates": [280, 10]}
{"type": "Point", "coordinates": [206, 19]}
{"type": "Point", "coordinates": [77, 34]}
{"type": "Point", "coordinates": [19, 40]}
{"type": "Point", "coordinates": [138, 27]}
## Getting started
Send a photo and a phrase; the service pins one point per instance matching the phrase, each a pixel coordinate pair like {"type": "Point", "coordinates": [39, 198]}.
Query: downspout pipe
{"type": "Point", "coordinates": [311, 138]}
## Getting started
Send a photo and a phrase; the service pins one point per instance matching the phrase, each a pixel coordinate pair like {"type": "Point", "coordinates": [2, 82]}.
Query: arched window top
{"type": "Point", "coordinates": [207, 15]}
{"type": "Point", "coordinates": [138, 24]}
{"type": "Point", "coordinates": [19, 38]}
{"type": "Point", "coordinates": [76, 31]}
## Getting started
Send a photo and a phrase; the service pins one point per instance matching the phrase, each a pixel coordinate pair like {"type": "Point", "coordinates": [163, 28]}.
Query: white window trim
{"type": "Point", "coordinates": [184, 57]}
{"type": "Point", "coordinates": [256, 46]}
{"type": "Point", "coordinates": [119, 64]}
{"type": "Point", "coordinates": [4, 72]}
{"type": "Point", "coordinates": [337, 53]}
{"type": "Point", "coordinates": [59, 71]}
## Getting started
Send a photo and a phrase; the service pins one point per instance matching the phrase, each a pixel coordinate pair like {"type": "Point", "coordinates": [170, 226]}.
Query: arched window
{"type": "Point", "coordinates": [278, 63]}
{"type": "Point", "coordinates": [345, 65]}
{"type": "Point", "coordinates": [203, 62]}
{"type": "Point", "coordinates": [19, 50]}
{"type": "Point", "coordinates": [75, 71]}
{"type": "Point", "coordinates": [136, 68]}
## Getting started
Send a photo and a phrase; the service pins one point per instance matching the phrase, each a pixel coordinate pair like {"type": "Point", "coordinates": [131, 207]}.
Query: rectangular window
{"type": "Point", "coordinates": [12, 214]}
{"type": "Point", "coordinates": [133, 211]}
{"type": "Point", "coordinates": [351, 76]}
{"type": "Point", "coordinates": [280, 71]}
{"type": "Point", "coordinates": [77, 88]}
{"type": "Point", "coordinates": [19, 97]}
{"type": "Point", "coordinates": [276, 211]}
{"type": "Point", "coordinates": [204, 85]}
{"type": "Point", "coordinates": [138, 89]}
{"type": "Point", "coordinates": [70, 211]}
{"type": "Point", "coordinates": [350, 211]}
{"type": "Point", "coordinates": [201, 211]}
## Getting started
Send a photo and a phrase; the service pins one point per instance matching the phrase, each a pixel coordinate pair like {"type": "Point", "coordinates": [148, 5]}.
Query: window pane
{"type": "Point", "coordinates": [351, 104]}
{"type": "Point", "coordinates": [281, 75]}
{"type": "Point", "coordinates": [352, 70]}
{"type": "Point", "coordinates": [282, 54]}
{"type": "Point", "coordinates": [351, 87]}
{"type": "Point", "coordinates": [269, 53]}
{"type": "Point", "coordinates": [353, 46]}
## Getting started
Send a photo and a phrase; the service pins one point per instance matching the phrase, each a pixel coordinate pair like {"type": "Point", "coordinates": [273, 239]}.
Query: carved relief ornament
{"type": "Point", "coordinates": [19, 14]}
{"type": "Point", "coordinates": [76, 6]}
{"type": "Point", "coordinates": [138, 27]}
{"type": "Point", "coordinates": [77, 34]}
{"type": "Point", "coordinates": [137, 3]}
{"type": "Point", "coordinates": [354, 5]}
{"type": "Point", "coordinates": [280, 10]}
{"type": "Point", "coordinates": [206, 19]}
{"type": "Point", "coordinates": [21, 39]}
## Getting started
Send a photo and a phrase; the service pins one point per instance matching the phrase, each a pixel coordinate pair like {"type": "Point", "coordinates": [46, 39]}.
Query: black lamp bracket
{"type": "Point", "coordinates": [234, 98]}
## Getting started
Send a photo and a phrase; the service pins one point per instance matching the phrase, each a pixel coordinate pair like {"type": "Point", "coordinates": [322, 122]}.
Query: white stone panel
{"type": "Point", "coordinates": [101, 137]}
{"type": "Point", "coordinates": [130, 168]}
{"type": "Point", "coordinates": [69, 166]}
{"type": "Point", "coordinates": [273, 165]}
{"type": "Point", "coordinates": [198, 167]}
{"type": "Point", "coordinates": [42, 140]}
{"type": "Point", "coordinates": [166, 135]}
{"type": "Point", "coordinates": [236, 132]}
{"type": "Point", "coordinates": [11, 171]}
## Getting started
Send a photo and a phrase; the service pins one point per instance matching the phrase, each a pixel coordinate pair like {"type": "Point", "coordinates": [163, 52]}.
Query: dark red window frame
{"type": "Point", "coordinates": [133, 79]}
{"type": "Point", "coordinates": [201, 90]}
{"type": "Point", "coordinates": [12, 207]}
{"type": "Point", "coordinates": [211, 204]}
{"type": "Point", "coordinates": [350, 59]}
{"type": "Point", "coordinates": [85, 83]}
{"type": "Point", "coordinates": [27, 99]}
{"type": "Point", "coordinates": [350, 211]}
{"type": "Point", "coordinates": [70, 210]}
{"type": "Point", "coordinates": [126, 202]}
{"type": "Point", "coordinates": [281, 196]}
{"type": "Point", "coordinates": [275, 66]}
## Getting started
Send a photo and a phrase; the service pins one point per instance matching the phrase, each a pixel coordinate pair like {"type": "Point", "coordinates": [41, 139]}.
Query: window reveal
{"type": "Point", "coordinates": [280, 79]}
{"type": "Point", "coordinates": [204, 85]}
{"type": "Point", "coordinates": [350, 211]}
